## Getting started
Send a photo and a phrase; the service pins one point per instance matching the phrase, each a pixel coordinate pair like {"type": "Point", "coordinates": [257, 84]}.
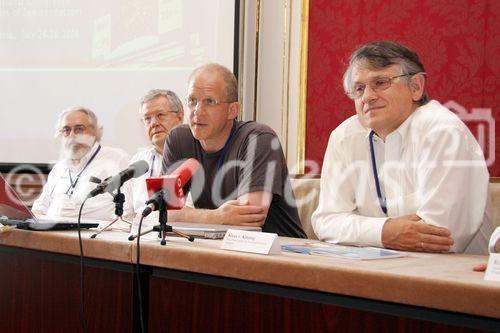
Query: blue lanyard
{"type": "Point", "coordinates": [152, 165]}
{"type": "Point", "coordinates": [73, 184]}
{"type": "Point", "coordinates": [224, 149]}
{"type": "Point", "coordinates": [381, 200]}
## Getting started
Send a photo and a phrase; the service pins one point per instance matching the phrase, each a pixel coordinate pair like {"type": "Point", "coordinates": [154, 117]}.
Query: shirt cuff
{"type": "Point", "coordinates": [371, 233]}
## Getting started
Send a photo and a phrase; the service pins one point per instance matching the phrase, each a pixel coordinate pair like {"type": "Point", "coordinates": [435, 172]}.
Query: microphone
{"type": "Point", "coordinates": [95, 180]}
{"type": "Point", "coordinates": [154, 202]}
{"type": "Point", "coordinates": [110, 184]}
{"type": "Point", "coordinates": [169, 189]}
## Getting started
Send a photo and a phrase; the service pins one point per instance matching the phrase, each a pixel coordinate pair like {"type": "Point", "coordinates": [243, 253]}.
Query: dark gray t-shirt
{"type": "Point", "coordinates": [252, 161]}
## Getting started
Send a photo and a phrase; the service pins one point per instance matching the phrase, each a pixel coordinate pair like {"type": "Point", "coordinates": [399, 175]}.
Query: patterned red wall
{"type": "Point", "coordinates": [458, 42]}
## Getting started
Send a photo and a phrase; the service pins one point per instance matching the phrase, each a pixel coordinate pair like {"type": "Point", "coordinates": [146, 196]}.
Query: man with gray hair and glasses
{"type": "Point", "coordinates": [405, 172]}
{"type": "Point", "coordinates": [161, 110]}
{"type": "Point", "coordinates": [83, 157]}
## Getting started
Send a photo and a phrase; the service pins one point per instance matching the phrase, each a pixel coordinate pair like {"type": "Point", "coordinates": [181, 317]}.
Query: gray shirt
{"type": "Point", "coordinates": [251, 161]}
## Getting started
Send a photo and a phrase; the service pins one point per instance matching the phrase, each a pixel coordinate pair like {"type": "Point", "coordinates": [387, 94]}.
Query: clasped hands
{"type": "Point", "coordinates": [410, 233]}
{"type": "Point", "coordinates": [240, 212]}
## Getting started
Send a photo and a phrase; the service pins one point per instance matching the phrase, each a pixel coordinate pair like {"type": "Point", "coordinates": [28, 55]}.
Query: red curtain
{"type": "Point", "coordinates": [458, 41]}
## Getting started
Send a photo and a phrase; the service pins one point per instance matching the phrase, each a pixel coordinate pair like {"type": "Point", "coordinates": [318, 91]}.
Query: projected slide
{"type": "Point", "coordinates": [103, 55]}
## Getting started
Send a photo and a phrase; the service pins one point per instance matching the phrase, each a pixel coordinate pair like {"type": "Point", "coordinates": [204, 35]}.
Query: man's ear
{"type": "Point", "coordinates": [180, 116]}
{"type": "Point", "coordinates": [417, 85]}
{"type": "Point", "coordinates": [234, 110]}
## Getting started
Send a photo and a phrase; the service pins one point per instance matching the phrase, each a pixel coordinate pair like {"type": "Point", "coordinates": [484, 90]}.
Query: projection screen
{"type": "Point", "coordinates": [104, 55]}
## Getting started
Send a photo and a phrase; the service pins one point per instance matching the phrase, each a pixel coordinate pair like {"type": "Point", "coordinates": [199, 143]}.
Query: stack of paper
{"type": "Point", "coordinates": [346, 252]}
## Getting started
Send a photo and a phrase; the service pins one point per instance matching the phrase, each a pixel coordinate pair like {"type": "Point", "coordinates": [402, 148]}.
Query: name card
{"type": "Point", "coordinates": [493, 270]}
{"type": "Point", "coordinates": [251, 241]}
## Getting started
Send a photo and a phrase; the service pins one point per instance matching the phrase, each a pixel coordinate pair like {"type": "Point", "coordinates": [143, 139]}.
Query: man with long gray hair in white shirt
{"type": "Point", "coordinates": [82, 157]}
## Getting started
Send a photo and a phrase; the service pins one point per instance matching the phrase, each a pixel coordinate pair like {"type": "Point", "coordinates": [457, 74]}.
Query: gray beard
{"type": "Point", "coordinates": [70, 150]}
{"type": "Point", "coordinates": [77, 153]}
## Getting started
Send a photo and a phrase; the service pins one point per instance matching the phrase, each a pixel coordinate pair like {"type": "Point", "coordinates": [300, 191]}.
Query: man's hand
{"type": "Point", "coordinates": [410, 233]}
{"type": "Point", "coordinates": [248, 210]}
{"type": "Point", "coordinates": [480, 267]}
{"type": "Point", "coordinates": [239, 212]}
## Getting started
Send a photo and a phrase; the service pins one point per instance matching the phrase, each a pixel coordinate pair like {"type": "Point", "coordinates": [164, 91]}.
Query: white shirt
{"type": "Point", "coordinates": [60, 198]}
{"type": "Point", "coordinates": [430, 166]}
{"type": "Point", "coordinates": [139, 190]}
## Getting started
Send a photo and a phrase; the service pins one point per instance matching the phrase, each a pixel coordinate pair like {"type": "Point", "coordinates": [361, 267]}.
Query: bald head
{"type": "Point", "coordinates": [230, 88]}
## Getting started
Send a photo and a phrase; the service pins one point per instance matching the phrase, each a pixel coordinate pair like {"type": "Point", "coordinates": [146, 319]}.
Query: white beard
{"type": "Point", "coordinates": [76, 147]}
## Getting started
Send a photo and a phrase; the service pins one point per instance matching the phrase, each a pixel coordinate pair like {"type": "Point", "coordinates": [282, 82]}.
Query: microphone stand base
{"type": "Point", "coordinates": [168, 228]}
{"type": "Point", "coordinates": [118, 218]}
{"type": "Point", "coordinates": [162, 233]}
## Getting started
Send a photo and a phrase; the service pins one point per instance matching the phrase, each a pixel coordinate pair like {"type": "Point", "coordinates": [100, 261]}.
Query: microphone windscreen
{"type": "Point", "coordinates": [186, 170]}
{"type": "Point", "coordinates": [140, 167]}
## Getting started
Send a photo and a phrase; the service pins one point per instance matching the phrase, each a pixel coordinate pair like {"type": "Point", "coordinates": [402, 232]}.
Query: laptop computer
{"type": "Point", "coordinates": [14, 212]}
{"type": "Point", "coordinates": [197, 230]}
{"type": "Point", "coordinates": [202, 230]}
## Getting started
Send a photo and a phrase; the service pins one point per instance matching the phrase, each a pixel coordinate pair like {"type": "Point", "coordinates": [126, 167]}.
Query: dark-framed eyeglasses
{"type": "Point", "coordinates": [378, 84]}
{"type": "Point", "coordinates": [77, 129]}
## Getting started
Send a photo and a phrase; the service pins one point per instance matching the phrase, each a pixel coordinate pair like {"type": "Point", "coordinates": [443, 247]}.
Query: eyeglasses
{"type": "Point", "coordinates": [77, 129]}
{"type": "Point", "coordinates": [160, 116]}
{"type": "Point", "coordinates": [378, 84]}
{"type": "Point", "coordinates": [193, 102]}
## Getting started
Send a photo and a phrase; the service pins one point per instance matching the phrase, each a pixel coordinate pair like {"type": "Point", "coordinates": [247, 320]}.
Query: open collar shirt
{"type": "Point", "coordinates": [430, 166]}
{"type": "Point", "coordinates": [139, 190]}
{"type": "Point", "coordinates": [68, 185]}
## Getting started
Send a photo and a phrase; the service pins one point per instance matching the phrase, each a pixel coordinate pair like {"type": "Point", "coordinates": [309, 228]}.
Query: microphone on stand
{"type": "Point", "coordinates": [166, 193]}
{"type": "Point", "coordinates": [153, 203]}
{"type": "Point", "coordinates": [114, 183]}
{"type": "Point", "coordinates": [168, 190]}
{"type": "Point", "coordinates": [110, 184]}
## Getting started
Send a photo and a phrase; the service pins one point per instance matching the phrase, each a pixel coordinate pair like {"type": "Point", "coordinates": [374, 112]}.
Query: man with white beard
{"type": "Point", "coordinates": [83, 157]}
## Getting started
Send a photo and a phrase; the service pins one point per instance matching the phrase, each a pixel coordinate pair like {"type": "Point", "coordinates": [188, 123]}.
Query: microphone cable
{"type": "Point", "coordinates": [138, 271]}
{"type": "Point", "coordinates": [83, 319]}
